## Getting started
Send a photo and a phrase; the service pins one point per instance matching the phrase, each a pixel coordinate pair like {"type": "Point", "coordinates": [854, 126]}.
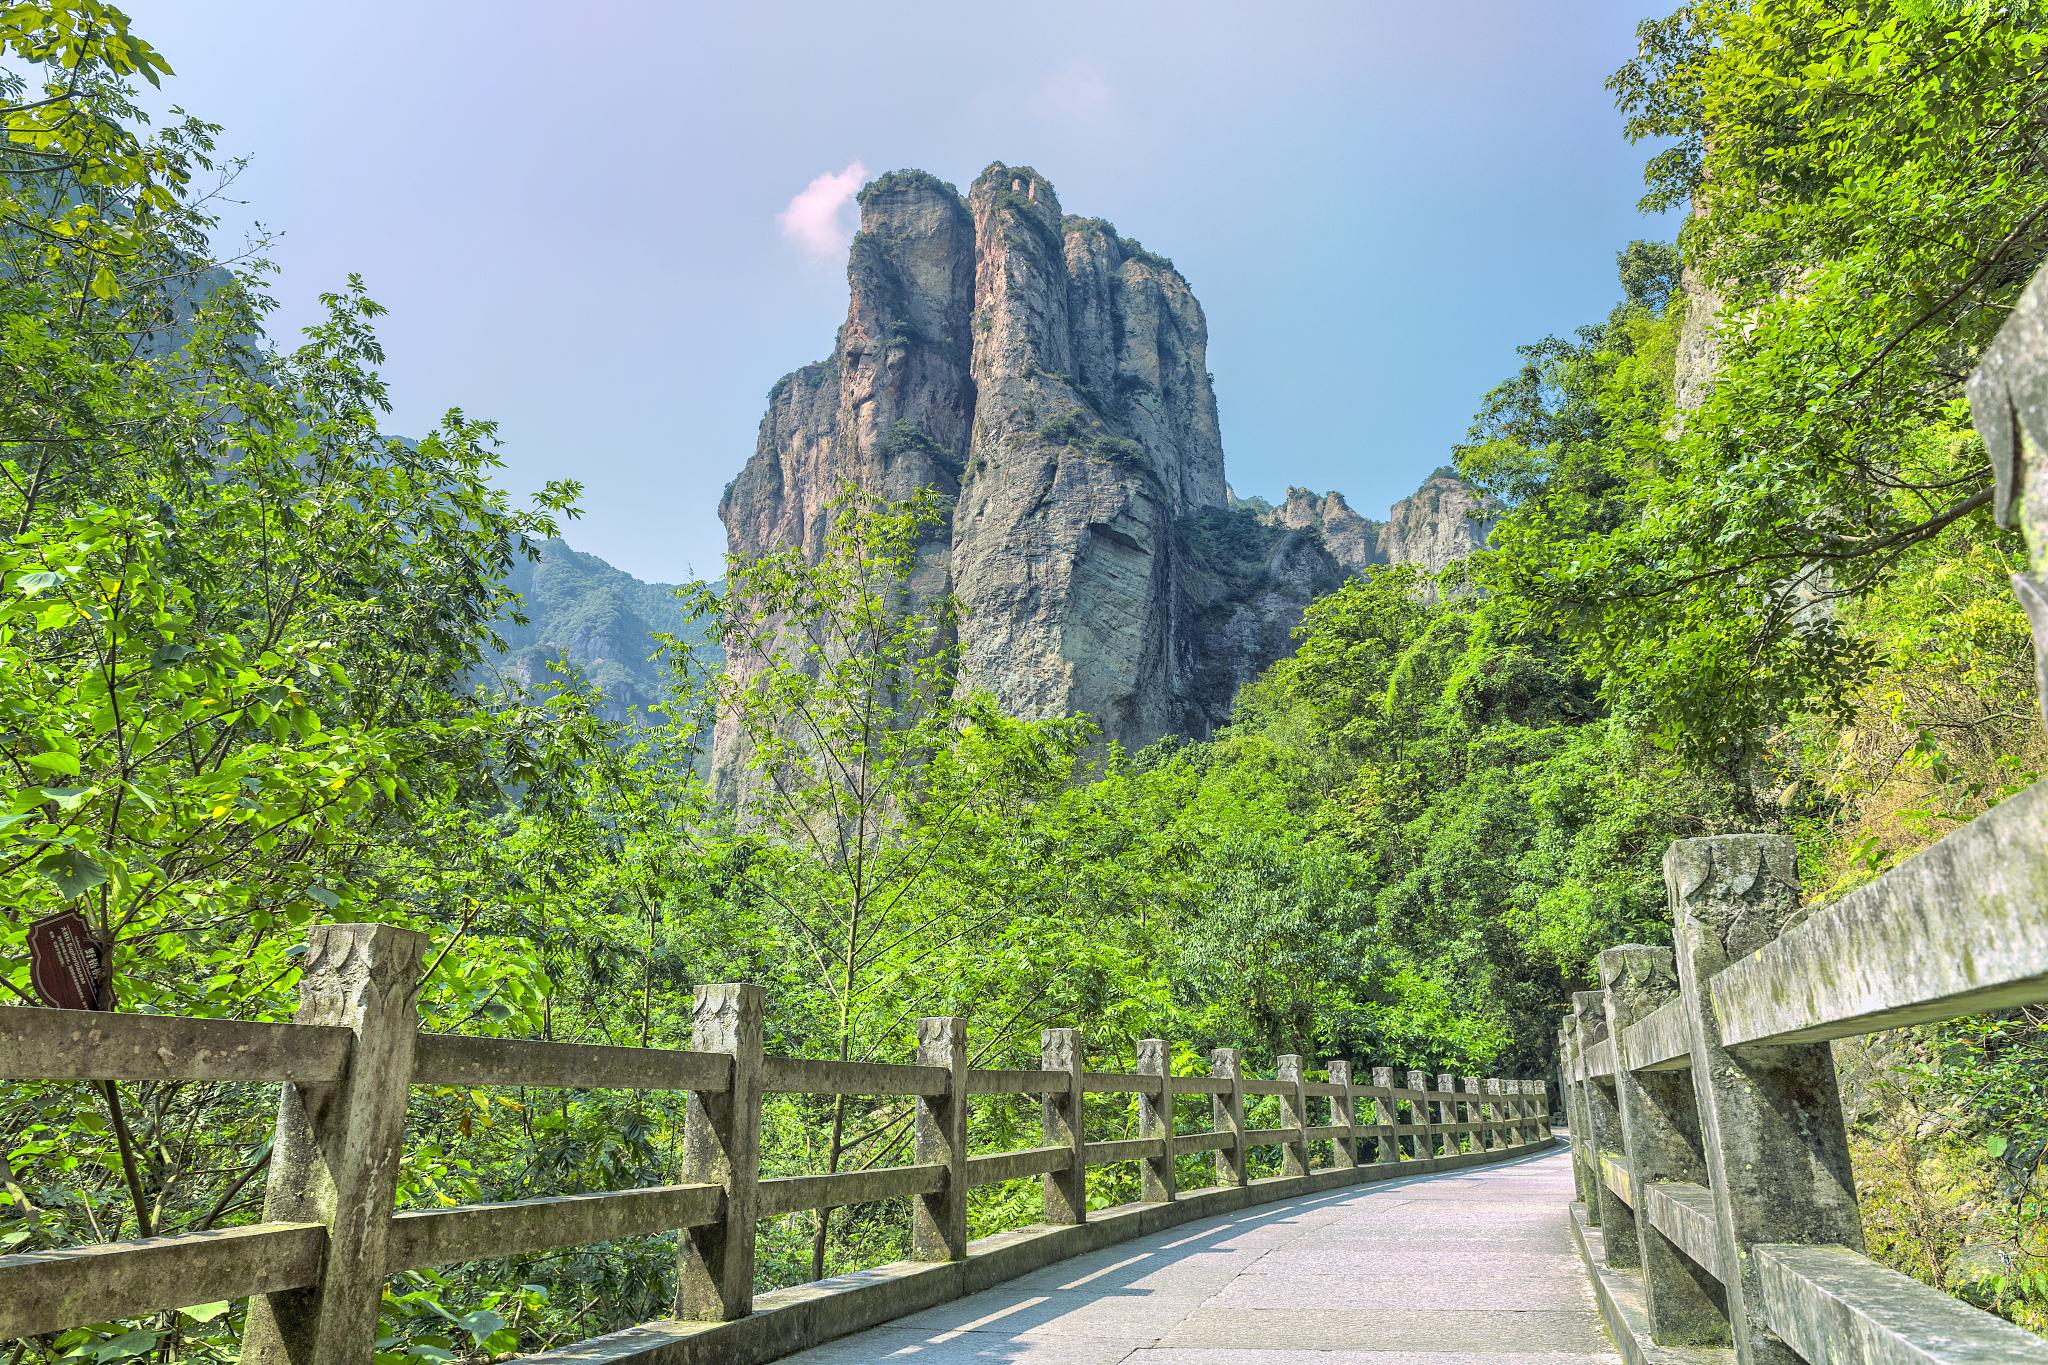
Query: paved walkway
{"type": "Point", "coordinates": [1432, 1270]}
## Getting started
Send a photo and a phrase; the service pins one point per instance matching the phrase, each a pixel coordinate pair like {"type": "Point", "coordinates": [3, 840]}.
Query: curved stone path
{"type": "Point", "coordinates": [1471, 1265]}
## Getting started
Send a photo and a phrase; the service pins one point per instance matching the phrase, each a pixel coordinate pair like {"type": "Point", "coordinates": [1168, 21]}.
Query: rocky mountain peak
{"type": "Point", "coordinates": [1049, 378]}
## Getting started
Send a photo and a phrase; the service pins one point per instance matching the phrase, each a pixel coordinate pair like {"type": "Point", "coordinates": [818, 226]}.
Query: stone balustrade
{"type": "Point", "coordinates": [1717, 1208]}
{"type": "Point", "coordinates": [313, 1269]}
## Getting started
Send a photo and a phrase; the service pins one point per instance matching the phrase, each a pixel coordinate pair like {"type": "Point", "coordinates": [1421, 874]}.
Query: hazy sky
{"type": "Point", "coordinates": [612, 226]}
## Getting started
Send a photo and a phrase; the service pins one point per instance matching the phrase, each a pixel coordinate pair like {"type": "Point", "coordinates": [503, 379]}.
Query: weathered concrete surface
{"type": "Point", "coordinates": [1955, 929]}
{"type": "Point", "coordinates": [1464, 1266]}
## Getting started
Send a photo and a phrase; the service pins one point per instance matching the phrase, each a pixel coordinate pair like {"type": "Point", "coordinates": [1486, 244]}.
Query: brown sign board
{"type": "Point", "coordinates": [66, 965]}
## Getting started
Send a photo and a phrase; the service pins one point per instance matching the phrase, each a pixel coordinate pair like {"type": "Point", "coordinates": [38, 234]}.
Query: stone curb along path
{"type": "Point", "coordinates": [1471, 1265]}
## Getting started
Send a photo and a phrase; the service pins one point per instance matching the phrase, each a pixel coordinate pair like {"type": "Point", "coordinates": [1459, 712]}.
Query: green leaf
{"type": "Point", "coordinates": [481, 1323]}
{"type": "Point", "coordinates": [206, 1312]}
{"type": "Point", "coordinates": [1995, 1145]}
{"type": "Point", "coordinates": [33, 583]}
{"type": "Point", "coordinates": [67, 798]}
{"type": "Point", "coordinates": [56, 761]}
{"type": "Point", "coordinates": [324, 896]}
{"type": "Point", "coordinates": [73, 873]}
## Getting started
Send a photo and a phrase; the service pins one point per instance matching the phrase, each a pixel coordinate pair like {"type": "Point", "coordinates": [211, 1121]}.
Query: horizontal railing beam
{"type": "Point", "coordinates": [1123, 1149]}
{"type": "Point", "coordinates": [1116, 1083]}
{"type": "Point", "coordinates": [473, 1232]}
{"type": "Point", "coordinates": [798, 1193]}
{"type": "Point", "coordinates": [90, 1045]}
{"type": "Point", "coordinates": [50, 1291]}
{"type": "Point", "coordinates": [1014, 1081]}
{"type": "Point", "coordinates": [1658, 1041]}
{"type": "Point", "coordinates": [1956, 929]}
{"type": "Point", "coordinates": [1213, 1141]}
{"type": "Point", "coordinates": [996, 1167]}
{"type": "Point", "coordinates": [1831, 1303]}
{"type": "Point", "coordinates": [803, 1076]}
{"type": "Point", "coordinates": [1684, 1213]}
{"type": "Point", "coordinates": [1615, 1174]}
{"type": "Point", "coordinates": [460, 1060]}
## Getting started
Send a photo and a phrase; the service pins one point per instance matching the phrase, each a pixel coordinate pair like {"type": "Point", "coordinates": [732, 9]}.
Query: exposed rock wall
{"type": "Point", "coordinates": [1440, 522]}
{"type": "Point", "coordinates": [1049, 379]}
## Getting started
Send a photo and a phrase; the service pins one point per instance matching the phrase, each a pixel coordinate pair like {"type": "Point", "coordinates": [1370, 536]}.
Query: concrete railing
{"type": "Point", "coordinates": [314, 1268]}
{"type": "Point", "coordinates": [1710, 1151]}
{"type": "Point", "coordinates": [1717, 1206]}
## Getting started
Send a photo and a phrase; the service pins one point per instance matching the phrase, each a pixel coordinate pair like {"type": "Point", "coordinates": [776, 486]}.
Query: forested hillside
{"type": "Point", "coordinates": [1744, 577]}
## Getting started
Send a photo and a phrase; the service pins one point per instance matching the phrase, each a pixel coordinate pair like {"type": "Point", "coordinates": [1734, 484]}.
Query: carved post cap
{"type": "Point", "coordinates": [1287, 1067]}
{"type": "Point", "coordinates": [1383, 1077]}
{"type": "Point", "coordinates": [349, 967]}
{"type": "Point", "coordinates": [1641, 976]}
{"type": "Point", "coordinates": [1223, 1061]}
{"type": "Point", "coordinates": [1589, 1013]}
{"type": "Point", "coordinates": [1340, 1073]}
{"type": "Point", "coordinates": [1739, 888]}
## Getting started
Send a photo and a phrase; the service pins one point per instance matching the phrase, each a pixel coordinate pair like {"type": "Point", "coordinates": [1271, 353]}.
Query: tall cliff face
{"type": "Point", "coordinates": [1094, 432]}
{"type": "Point", "coordinates": [1049, 379]}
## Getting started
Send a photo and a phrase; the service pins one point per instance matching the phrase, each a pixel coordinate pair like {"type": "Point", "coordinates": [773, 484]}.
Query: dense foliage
{"type": "Point", "coordinates": [1743, 578]}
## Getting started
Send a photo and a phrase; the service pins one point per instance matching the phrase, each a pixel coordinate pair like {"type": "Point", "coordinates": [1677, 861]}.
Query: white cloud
{"type": "Point", "coordinates": [817, 219]}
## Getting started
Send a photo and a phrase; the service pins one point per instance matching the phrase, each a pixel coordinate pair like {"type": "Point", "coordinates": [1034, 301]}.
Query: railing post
{"type": "Point", "coordinates": [1344, 1117]}
{"type": "Point", "coordinates": [334, 1157]}
{"type": "Point", "coordinates": [1426, 1112]}
{"type": "Point", "coordinates": [1500, 1115]}
{"type": "Point", "coordinates": [1447, 1112]}
{"type": "Point", "coordinates": [1475, 1113]}
{"type": "Point", "coordinates": [1661, 1131]}
{"type": "Point", "coordinates": [1227, 1113]}
{"type": "Point", "coordinates": [938, 1222]}
{"type": "Point", "coordinates": [1293, 1114]}
{"type": "Point", "coordinates": [1156, 1174]}
{"type": "Point", "coordinates": [1066, 1192]}
{"type": "Point", "coordinates": [1386, 1146]}
{"type": "Point", "coordinates": [1585, 1167]}
{"type": "Point", "coordinates": [722, 1146]}
{"type": "Point", "coordinates": [1771, 1124]}
{"type": "Point", "coordinates": [1603, 1136]}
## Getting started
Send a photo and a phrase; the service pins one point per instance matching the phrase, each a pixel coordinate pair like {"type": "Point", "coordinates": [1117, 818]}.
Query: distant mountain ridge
{"type": "Point", "coordinates": [596, 616]}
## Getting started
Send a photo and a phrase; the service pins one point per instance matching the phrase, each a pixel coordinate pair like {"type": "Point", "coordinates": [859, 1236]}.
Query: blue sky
{"type": "Point", "coordinates": [576, 213]}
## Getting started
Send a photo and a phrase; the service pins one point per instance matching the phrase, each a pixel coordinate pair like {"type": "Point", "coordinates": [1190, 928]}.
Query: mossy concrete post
{"type": "Point", "coordinates": [938, 1221]}
{"type": "Point", "coordinates": [1568, 1105]}
{"type": "Point", "coordinates": [1343, 1117]}
{"type": "Point", "coordinates": [1603, 1127]}
{"type": "Point", "coordinates": [1471, 1109]}
{"type": "Point", "coordinates": [1227, 1113]}
{"type": "Point", "coordinates": [1430, 1114]}
{"type": "Point", "coordinates": [1661, 1132]}
{"type": "Point", "coordinates": [1156, 1174]}
{"type": "Point", "coordinates": [722, 1147]}
{"type": "Point", "coordinates": [334, 1157]}
{"type": "Point", "coordinates": [1771, 1125]}
{"type": "Point", "coordinates": [1447, 1117]}
{"type": "Point", "coordinates": [2009, 406]}
{"type": "Point", "coordinates": [1293, 1114]}
{"type": "Point", "coordinates": [1506, 1120]}
{"type": "Point", "coordinates": [1066, 1192]}
{"type": "Point", "coordinates": [1585, 1159]}
{"type": "Point", "coordinates": [1386, 1146]}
